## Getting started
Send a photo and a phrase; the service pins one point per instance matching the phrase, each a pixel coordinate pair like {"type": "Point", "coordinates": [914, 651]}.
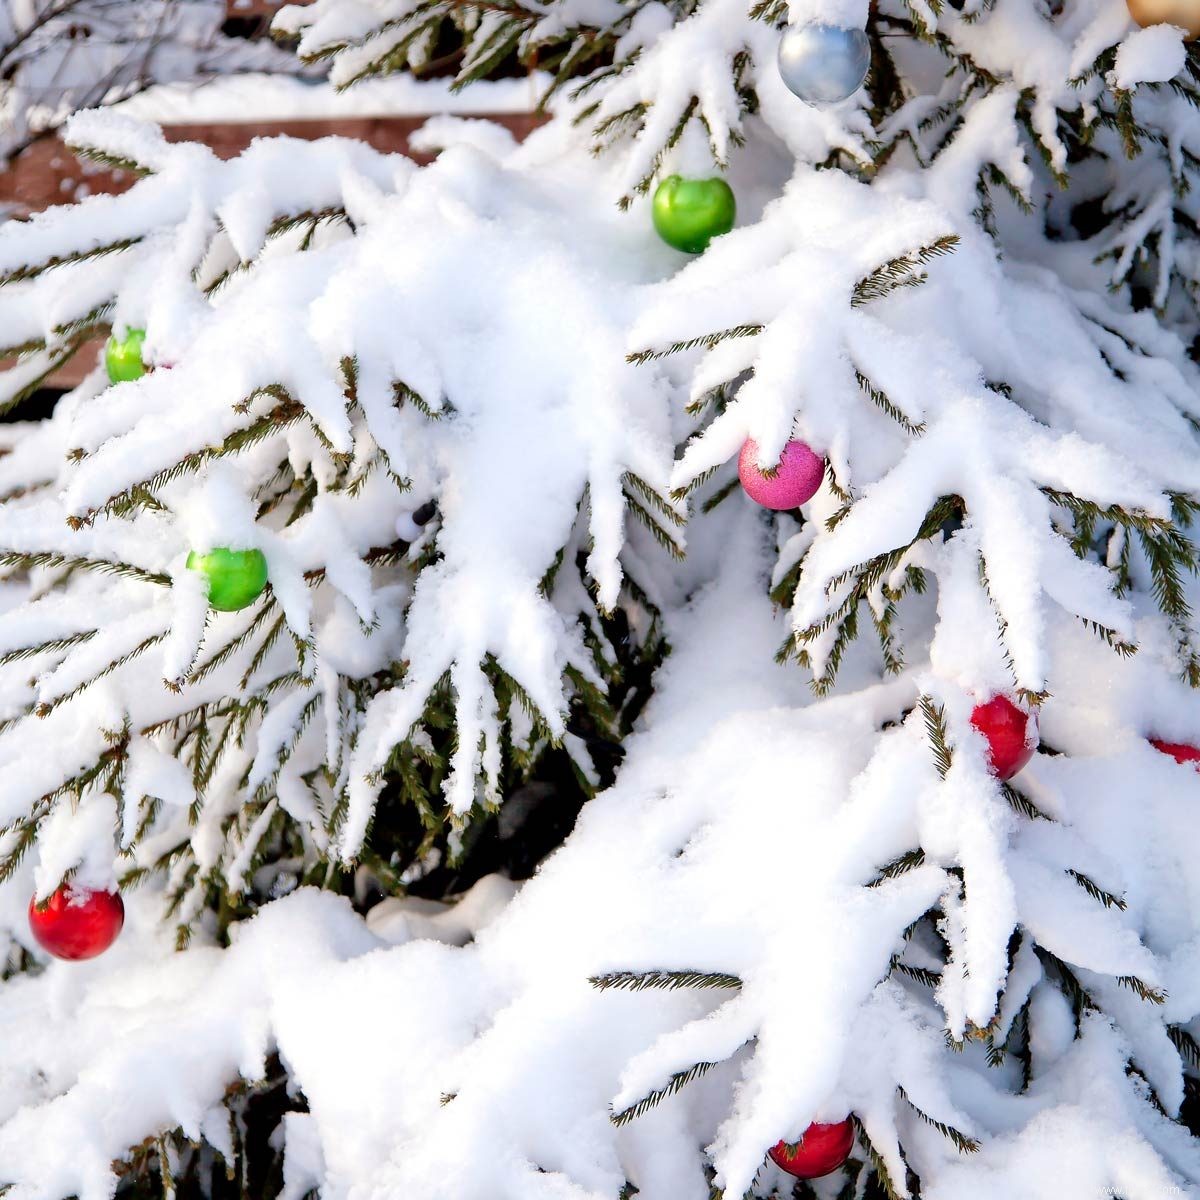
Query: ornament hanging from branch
{"type": "Point", "coordinates": [77, 923]}
{"type": "Point", "coordinates": [123, 356]}
{"type": "Point", "coordinates": [820, 1151]}
{"type": "Point", "coordinates": [795, 479]}
{"type": "Point", "coordinates": [1011, 734]}
{"type": "Point", "coordinates": [689, 213]}
{"type": "Point", "coordinates": [823, 64]}
{"type": "Point", "coordinates": [236, 578]}
{"type": "Point", "coordinates": [1181, 752]}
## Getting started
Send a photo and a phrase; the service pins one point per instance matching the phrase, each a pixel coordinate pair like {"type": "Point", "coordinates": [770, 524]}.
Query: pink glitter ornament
{"type": "Point", "coordinates": [794, 482]}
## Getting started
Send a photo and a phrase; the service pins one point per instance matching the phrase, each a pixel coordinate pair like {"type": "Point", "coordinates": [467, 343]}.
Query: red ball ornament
{"type": "Point", "coordinates": [77, 923]}
{"type": "Point", "coordinates": [1179, 751]}
{"type": "Point", "coordinates": [1011, 734]}
{"type": "Point", "coordinates": [822, 1149]}
{"type": "Point", "coordinates": [794, 481]}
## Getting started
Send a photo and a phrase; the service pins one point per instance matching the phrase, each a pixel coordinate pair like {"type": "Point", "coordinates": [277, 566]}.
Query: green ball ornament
{"type": "Point", "coordinates": [689, 213]}
{"type": "Point", "coordinates": [123, 356]}
{"type": "Point", "coordinates": [236, 578]}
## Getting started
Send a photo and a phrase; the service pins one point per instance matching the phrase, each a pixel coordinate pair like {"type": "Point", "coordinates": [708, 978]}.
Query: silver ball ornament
{"type": "Point", "coordinates": [823, 64]}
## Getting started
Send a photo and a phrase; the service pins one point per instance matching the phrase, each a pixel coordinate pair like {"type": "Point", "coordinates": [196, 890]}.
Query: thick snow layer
{"type": "Point", "coordinates": [283, 98]}
{"type": "Point", "coordinates": [536, 1058]}
{"type": "Point", "coordinates": [1151, 55]}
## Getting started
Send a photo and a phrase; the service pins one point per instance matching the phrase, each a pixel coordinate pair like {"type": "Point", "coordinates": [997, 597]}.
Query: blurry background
{"type": "Point", "coordinates": [207, 71]}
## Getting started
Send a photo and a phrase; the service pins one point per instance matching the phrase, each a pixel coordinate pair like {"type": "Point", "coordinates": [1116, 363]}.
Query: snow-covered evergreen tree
{"type": "Point", "coordinates": [484, 428]}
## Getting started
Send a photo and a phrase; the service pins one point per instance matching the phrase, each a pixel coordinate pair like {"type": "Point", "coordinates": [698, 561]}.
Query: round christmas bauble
{"type": "Point", "coordinates": [236, 578]}
{"type": "Point", "coordinates": [793, 482]}
{"type": "Point", "coordinates": [77, 923]}
{"type": "Point", "coordinates": [822, 1149]}
{"type": "Point", "coordinates": [1181, 752]}
{"type": "Point", "coordinates": [823, 64]}
{"type": "Point", "coordinates": [123, 356]}
{"type": "Point", "coordinates": [1011, 734]}
{"type": "Point", "coordinates": [1184, 13]}
{"type": "Point", "coordinates": [689, 213]}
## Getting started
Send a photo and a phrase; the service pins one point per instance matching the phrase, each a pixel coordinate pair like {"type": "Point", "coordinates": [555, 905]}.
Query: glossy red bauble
{"type": "Point", "coordinates": [822, 1149]}
{"type": "Point", "coordinates": [1181, 752]}
{"type": "Point", "coordinates": [1011, 734]}
{"type": "Point", "coordinates": [76, 923]}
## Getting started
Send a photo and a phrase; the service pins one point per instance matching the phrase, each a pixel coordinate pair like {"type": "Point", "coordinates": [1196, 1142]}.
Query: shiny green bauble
{"type": "Point", "coordinates": [123, 356]}
{"type": "Point", "coordinates": [236, 578]}
{"type": "Point", "coordinates": [689, 213]}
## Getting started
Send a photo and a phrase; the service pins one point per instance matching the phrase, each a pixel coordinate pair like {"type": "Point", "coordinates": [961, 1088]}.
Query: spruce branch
{"type": "Point", "coordinates": [1168, 552]}
{"type": "Point", "coordinates": [103, 158]}
{"type": "Point", "coordinates": [865, 578]}
{"type": "Point", "coordinates": [265, 646]}
{"type": "Point", "coordinates": [902, 271]}
{"type": "Point", "coordinates": [220, 657]}
{"type": "Point", "coordinates": [266, 789]}
{"type": "Point", "coordinates": [880, 399]}
{"type": "Point", "coordinates": [588, 45]}
{"type": "Point", "coordinates": [1021, 803]}
{"type": "Point", "coordinates": [55, 358]}
{"type": "Point", "coordinates": [31, 270]}
{"type": "Point", "coordinates": [46, 707]}
{"type": "Point", "coordinates": [141, 495]}
{"type": "Point", "coordinates": [938, 734]}
{"type": "Point", "coordinates": [75, 786]}
{"type": "Point", "coordinates": [706, 341]}
{"type": "Point", "coordinates": [1096, 892]}
{"type": "Point", "coordinates": [655, 500]}
{"type": "Point", "coordinates": [51, 646]}
{"type": "Point", "coordinates": [639, 981]}
{"type": "Point", "coordinates": [1091, 512]}
{"type": "Point", "coordinates": [682, 493]}
{"type": "Point", "coordinates": [876, 1159]}
{"type": "Point", "coordinates": [405, 395]}
{"type": "Point", "coordinates": [616, 126]}
{"type": "Point", "coordinates": [889, 649]}
{"type": "Point", "coordinates": [847, 631]}
{"type": "Point", "coordinates": [720, 495]}
{"type": "Point", "coordinates": [1110, 637]}
{"type": "Point", "coordinates": [1143, 990]}
{"type": "Point", "coordinates": [963, 1142]}
{"type": "Point", "coordinates": [653, 518]}
{"type": "Point", "coordinates": [1081, 1000]}
{"type": "Point", "coordinates": [923, 975]}
{"type": "Point", "coordinates": [286, 222]}
{"type": "Point", "coordinates": [27, 561]}
{"type": "Point", "coordinates": [280, 226]}
{"type": "Point", "coordinates": [482, 60]}
{"type": "Point", "coordinates": [673, 138]}
{"type": "Point", "coordinates": [25, 833]}
{"type": "Point", "coordinates": [677, 1083]}
{"type": "Point", "coordinates": [1189, 1049]}
{"type": "Point", "coordinates": [508, 690]}
{"type": "Point", "coordinates": [910, 860]}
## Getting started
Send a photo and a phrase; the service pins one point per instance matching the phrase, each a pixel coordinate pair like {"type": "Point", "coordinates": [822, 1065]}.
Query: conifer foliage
{"type": "Point", "coordinates": [484, 428]}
